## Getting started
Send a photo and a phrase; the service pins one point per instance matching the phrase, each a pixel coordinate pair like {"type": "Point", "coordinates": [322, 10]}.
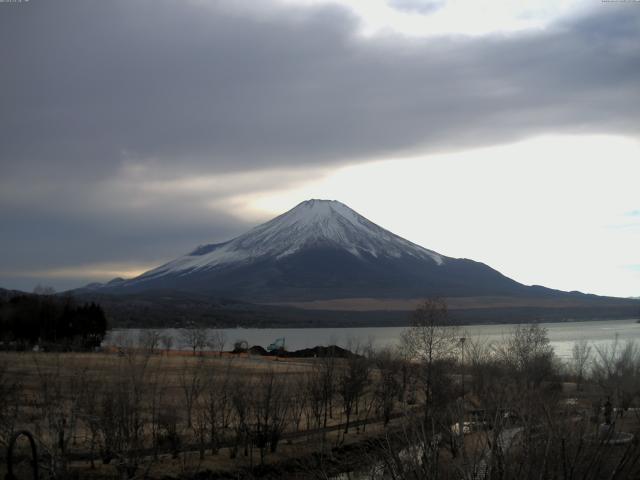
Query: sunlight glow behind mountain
{"type": "Point", "coordinates": [542, 210]}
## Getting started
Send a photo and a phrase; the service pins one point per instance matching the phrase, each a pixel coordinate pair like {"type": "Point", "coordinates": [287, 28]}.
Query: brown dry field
{"type": "Point", "coordinates": [29, 369]}
{"type": "Point", "coordinates": [453, 303]}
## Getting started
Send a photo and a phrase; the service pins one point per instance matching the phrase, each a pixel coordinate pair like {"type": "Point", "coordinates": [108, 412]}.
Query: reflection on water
{"type": "Point", "coordinates": [561, 334]}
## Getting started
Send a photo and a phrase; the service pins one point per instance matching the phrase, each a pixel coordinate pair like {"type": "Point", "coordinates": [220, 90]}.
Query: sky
{"type": "Point", "coordinates": [507, 132]}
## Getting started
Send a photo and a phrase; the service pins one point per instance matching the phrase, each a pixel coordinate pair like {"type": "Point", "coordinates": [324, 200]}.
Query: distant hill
{"type": "Point", "coordinates": [178, 309]}
{"type": "Point", "coordinates": [5, 294]}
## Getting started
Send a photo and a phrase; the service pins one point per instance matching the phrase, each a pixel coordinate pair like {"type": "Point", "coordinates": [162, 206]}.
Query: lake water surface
{"type": "Point", "coordinates": [561, 334]}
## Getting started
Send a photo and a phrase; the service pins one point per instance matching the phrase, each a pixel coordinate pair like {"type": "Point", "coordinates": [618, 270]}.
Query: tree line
{"type": "Point", "coordinates": [51, 322]}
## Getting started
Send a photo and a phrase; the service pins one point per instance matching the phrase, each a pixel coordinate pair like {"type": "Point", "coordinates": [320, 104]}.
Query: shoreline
{"type": "Point", "coordinates": [306, 326]}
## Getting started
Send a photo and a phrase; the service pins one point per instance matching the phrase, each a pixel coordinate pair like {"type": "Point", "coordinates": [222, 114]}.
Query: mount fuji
{"type": "Point", "coordinates": [322, 250]}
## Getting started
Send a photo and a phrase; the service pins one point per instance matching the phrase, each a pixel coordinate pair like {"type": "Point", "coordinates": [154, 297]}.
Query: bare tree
{"type": "Point", "coordinates": [410, 452]}
{"type": "Point", "coordinates": [200, 425]}
{"type": "Point", "coordinates": [169, 428]}
{"type": "Point", "coordinates": [10, 401]}
{"type": "Point", "coordinates": [529, 352]}
{"type": "Point", "coordinates": [321, 386]}
{"type": "Point", "coordinates": [580, 359]}
{"type": "Point", "coordinates": [89, 413]}
{"type": "Point", "coordinates": [616, 368]}
{"type": "Point", "coordinates": [191, 380]}
{"type": "Point", "coordinates": [314, 394]}
{"type": "Point", "coordinates": [240, 400]}
{"type": "Point", "coordinates": [268, 412]}
{"type": "Point", "coordinates": [123, 342]}
{"type": "Point", "coordinates": [352, 380]}
{"type": "Point", "coordinates": [480, 363]}
{"type": "Point", "coordinates": [216, 403]}
{"type": "Point", "coordinates": [298, 400]}
{"type": "Point", "coordinates": [217, 341]}
{"type": "Point", "coordinates": [327, 379]}
{"type": "Point", "coordinates": [167, 342]}
{"type": "Point", "coordinates": [128, 413]}
{"type": "Point", "coordinates": [431, 340]}
{"type": "Point", "coordinates": [156, 389]}
{"type": "Point", "coordinates": [386, 387]}
{"type": "Point", "coordinates": [149, 341]}
{"type": "Point", "coordinates": [57, 406]}
{"type": "Point", "coordinates": [194, 338]}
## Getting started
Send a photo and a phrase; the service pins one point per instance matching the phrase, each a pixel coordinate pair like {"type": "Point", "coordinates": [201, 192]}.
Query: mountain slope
{"type": "Point", "coordinates": [310, 225]}
{"type": "Point", "coordinates": [322, 250]}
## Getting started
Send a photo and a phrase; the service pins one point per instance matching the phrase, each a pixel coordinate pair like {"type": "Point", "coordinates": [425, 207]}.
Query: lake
{"type": "Point", "coordinates": [561, 334]}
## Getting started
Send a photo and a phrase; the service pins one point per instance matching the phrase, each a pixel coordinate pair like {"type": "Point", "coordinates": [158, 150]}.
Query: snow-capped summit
{"type": "Point", "coordinates": [334, 223]}
{"type": "Point", "coordinates": [320, 249]}
{"type": "Point", "coordinates": [312, 223]}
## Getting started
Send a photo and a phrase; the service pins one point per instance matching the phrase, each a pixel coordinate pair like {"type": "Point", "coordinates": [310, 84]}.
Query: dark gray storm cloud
{"type": "Point", "coordinates": [89, 83]}
{"type": "Point", "coordinates": [90, 87]}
